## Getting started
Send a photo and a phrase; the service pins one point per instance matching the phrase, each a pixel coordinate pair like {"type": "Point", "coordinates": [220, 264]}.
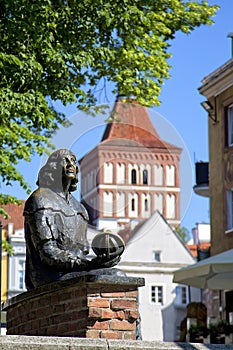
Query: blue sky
{"type": "Point", "coordinates": [194, 56]}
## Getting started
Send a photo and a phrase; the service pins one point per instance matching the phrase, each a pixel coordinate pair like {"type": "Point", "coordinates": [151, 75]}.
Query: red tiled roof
{"type": "Point", "coordinates": [132, 122]}
{"type": "Point", "coordinates": [201, 246]}
{"type": "Point", "coordinates": [15, 213]}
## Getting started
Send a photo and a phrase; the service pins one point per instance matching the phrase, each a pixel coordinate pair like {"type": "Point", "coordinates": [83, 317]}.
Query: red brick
{"type": "Point", "coordinates": [100, 325]}
{"type": "Point", "coordinates": [98, 302]}
{"type": "Point", "coordinates": [56, 309]}
{"type": "Point", "coordinates": [52, 330]}
{"type": "Point", "coordinates": [113, 295]}
{"type": "Point", "coordinates": [132, 294]}
{"type": "Point", "coordinates": [54, 298]}
{"type": "Point", "coordinates": [120, 304]}
{"type": "Point", "coordinates": [95, 312]}
{"type": "Point", "coordinates": [111, 335]}
{"type": "Point", "coordinates": [131, 315]}
{"type": "Point", "coordinates": [92, 333]}
{"type": "Point", "coordinates": [65, 296]}
{"type": "Point", "coordinates": [109, 314]}
{"type": "Point", "coordinates": [129, 335]}
{"type": "Point", "coordinates": [80, 292]}
{"type": "Point", "coordinates": [43, 311]}
{"type": "Point", "coordinates": [62, 328]}
{"type": "Point", "coordinates": [122, 325]}
{"type": "Point", "coordinates": [44, 300]}
{"type": "Point", "coordinates": [43, 322]}
{"type": "Point", "coordinates": [94, 294]}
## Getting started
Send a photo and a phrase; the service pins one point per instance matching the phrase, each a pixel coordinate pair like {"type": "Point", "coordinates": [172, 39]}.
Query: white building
{"type": "Point", "coordinates": [154, 251]}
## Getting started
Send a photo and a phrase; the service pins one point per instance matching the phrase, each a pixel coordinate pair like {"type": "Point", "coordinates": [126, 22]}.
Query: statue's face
{"type": "Point", "coordinates": [69, 166]}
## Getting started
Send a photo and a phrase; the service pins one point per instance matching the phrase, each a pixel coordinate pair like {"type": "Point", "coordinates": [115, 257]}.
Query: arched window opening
{"type": "Point", "coordinates": [146, 204]}
{"type": "Point", "coordinates": [133, 176]}
{"type": "Point", "coordinates": [145, 177]}
{"type": "Point", "coordinates": [133, 204]}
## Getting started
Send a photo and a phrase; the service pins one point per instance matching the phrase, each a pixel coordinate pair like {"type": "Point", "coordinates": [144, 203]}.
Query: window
{"type": "Point", "coordinates": [159, 202]}
{"type": "Point", "coordinates": [120, 172]}
{"type": "Point", "coordinates": [108, 172]}
{"type": "Point", "coordinates": [21, 269]}
{"type": "Point", "coordinates": [156, 295]}
{"type": "Point", "coordinates": [108, 204]}
{"type": "Point", "coordinates": [158, 171]}
{"type": "Point", "coordinates": [133, 204]}
{"type": "Point", "coordinates": [145, 177]}
{"type": "Point", "coordinates": [120, 204]}
{"type": "Point", "coordinates": [133, 176]}
{"type": "Point", "coordinates": [229, 199]}
{"type": "Point", "coordinates": [170, 172]}
{"type": "Point", "coordinates": [171, 206]}
{"type": "Point", "coordinates": [230, 125]}
{"type": "Point", "coordinates": [181, 295]}
{"type": "Point", "coordinates": [157, 256]}
{"type": "Point", "coordinates": [146, 204]}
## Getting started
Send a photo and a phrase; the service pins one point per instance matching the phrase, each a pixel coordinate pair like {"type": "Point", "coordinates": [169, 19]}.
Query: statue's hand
{"type": "Point", "coordinates": [80, 265]}
{"type": "Point", "coordinates": [102, 262]}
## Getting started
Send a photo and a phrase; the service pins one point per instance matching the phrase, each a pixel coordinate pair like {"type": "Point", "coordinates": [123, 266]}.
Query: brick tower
{"type": "Point", "coordinates": [131, 173]}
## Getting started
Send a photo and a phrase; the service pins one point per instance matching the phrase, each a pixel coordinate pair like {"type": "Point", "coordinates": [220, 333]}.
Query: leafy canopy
{"type": "Point", "coordinates": [66, 50]}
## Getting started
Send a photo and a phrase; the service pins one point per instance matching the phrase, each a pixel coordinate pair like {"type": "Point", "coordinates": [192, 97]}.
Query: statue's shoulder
{"type": "Point", "coordinates": [45, 198]}
{"type": "Point", "coordinates": [79, 207]}
{"type": "Point", "coordinates": [42, 198]}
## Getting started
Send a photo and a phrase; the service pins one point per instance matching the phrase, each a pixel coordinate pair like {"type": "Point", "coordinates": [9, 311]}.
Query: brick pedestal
{"type": "Point", "coordinates": [90, 306]}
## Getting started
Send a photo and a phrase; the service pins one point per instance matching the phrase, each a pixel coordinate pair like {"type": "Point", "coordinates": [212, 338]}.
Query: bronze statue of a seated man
{"type": "Point", "coordinates": [56, 225]}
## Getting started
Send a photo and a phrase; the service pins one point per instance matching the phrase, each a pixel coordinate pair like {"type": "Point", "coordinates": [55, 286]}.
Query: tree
{"type": "Point", "coordinates": [66, 50]}
{"type": "Point", "coordinates": [183, 233]}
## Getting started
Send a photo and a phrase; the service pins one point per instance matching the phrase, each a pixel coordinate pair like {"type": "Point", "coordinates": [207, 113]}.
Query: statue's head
{"type": "Point", "coordinates": [60, 167]}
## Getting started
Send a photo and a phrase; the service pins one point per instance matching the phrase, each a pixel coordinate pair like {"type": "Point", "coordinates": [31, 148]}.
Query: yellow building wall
{"type": "Point", "coordinates": [4, 276]}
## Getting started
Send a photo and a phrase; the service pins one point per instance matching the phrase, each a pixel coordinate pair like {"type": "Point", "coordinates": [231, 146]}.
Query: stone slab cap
{"type": "Point", "coordinates": [116, 283]}
{"type": "Point", "coordinates": [159, 345]}
{"type": "Point", "coordinates": [20, 342]}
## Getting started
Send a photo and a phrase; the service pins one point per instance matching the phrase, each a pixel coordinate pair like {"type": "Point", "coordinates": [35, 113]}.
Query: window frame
{"type": "Point", "coordinates": [21, 265]}
{"type": "Point", "coordinates": [157, 252]}
{"type": "Point", "coordinates": [154, 292]}
{"type": "Point", "coordinates": [229, 210]}
{"type": "Point", "coordinates": [145, 177]}
{"type": "Point", "coordinates": [179, 301]}
{"type": "Point", "coordinates": [133, 176]}
{"type": "Point", "coordinates": [229, 130]}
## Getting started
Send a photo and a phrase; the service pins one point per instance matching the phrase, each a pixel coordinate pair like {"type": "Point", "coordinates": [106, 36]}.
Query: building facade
{"type": "Point", "coordinates": [131, 173]}
{"type": "Point", "coordinates": [130, 184]}
{"type": "Point", "coordinates": [154, 251]}
{"type": "Point", "coordinates": [218, 89]}
{"type": "Point", "coordinates": [14, 232]}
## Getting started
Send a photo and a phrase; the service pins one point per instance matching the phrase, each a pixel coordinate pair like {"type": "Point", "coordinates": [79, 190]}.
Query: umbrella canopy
{"type": "Point", "coordinates": [215, 272]}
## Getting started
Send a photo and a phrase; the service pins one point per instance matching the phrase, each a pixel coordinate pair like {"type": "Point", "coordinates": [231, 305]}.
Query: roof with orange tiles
{"type": "Point", "coordinates": [131, 121]}
{"type": "Point", "coordinates": [15, 213]}
{"type": "Point", "coordinates": [201, 246]}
